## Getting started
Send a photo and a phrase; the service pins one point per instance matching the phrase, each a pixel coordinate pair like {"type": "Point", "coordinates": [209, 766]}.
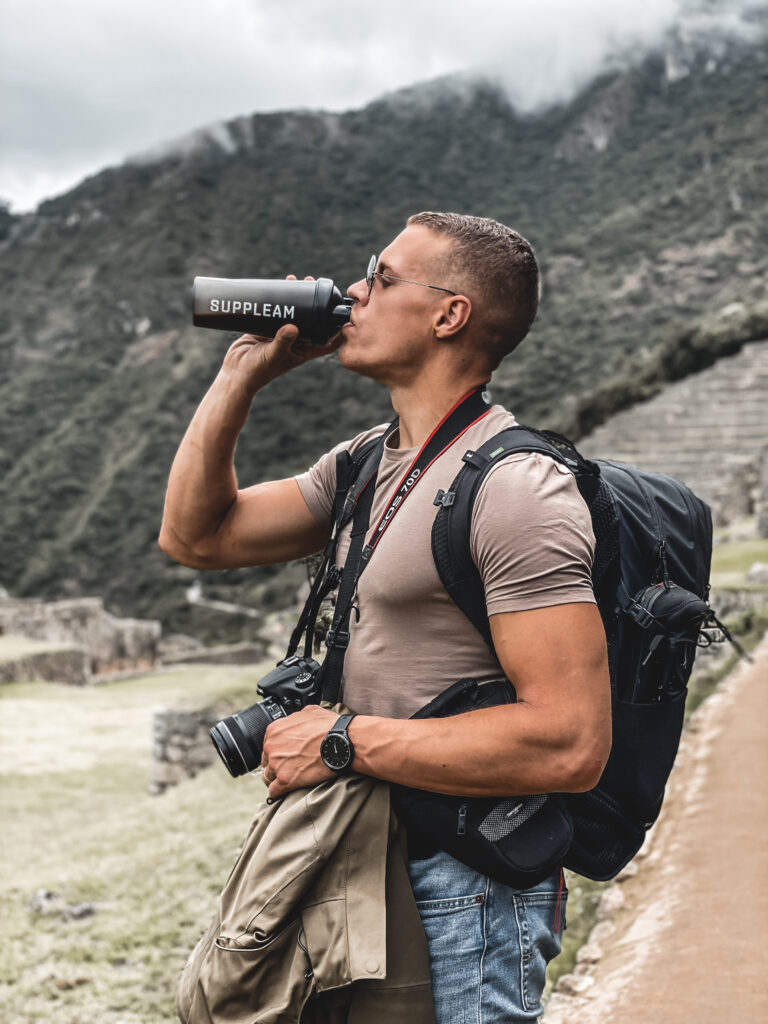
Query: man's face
{"type": "Point", "coordinates": [390, 334]}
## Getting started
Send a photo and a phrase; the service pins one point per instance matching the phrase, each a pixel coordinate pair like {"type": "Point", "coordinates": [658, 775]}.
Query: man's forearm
{"type": "Point", "coordinates": [202, 483]}
{"type": "Point", "coordinates": [494, 751]}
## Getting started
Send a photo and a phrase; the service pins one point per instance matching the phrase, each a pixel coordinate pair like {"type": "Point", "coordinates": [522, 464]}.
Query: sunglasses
{"type": "Point", "coordinates": [372, 273]}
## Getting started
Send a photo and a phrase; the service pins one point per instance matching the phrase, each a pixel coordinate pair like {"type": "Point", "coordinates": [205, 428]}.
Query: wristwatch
{"type": "Point", "coordinates": [336, 750]}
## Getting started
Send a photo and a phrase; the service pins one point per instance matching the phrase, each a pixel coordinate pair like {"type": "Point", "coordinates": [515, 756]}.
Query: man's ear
{"type": "Point", "coordinates": [454, 315]}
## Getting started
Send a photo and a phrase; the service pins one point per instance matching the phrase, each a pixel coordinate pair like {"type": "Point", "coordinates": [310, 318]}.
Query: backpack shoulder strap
{"type": "Point", "coordinates": [353, 473]}
{"type": "Point", "coordinates": [451, 528]}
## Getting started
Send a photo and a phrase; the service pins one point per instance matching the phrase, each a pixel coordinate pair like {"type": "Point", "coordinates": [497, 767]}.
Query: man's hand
{"type": "Point", "coordinates": [255, 360]}
{"type": "Point", "coordinates": [291, 757]}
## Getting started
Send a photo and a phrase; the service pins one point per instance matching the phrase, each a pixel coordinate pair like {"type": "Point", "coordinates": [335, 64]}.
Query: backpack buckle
{"type": "Point", "coordinates": [644, 618]}
{"type": "Point", "coordinates": [474, 459]}
{"type": "Point", "coordinates": [444, 498]}
{"type": "Point", "coordinates": [337, 638]}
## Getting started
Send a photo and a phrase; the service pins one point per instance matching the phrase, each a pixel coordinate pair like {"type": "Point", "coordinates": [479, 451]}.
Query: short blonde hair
{"type": "Point", "coordinates": [498, 264]}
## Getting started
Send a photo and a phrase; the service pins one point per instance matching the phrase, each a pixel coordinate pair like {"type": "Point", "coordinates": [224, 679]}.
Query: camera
{"type": "Point", "coordinates": [262, 307]}
{"type": "Point", "coordinates": [239, 738]}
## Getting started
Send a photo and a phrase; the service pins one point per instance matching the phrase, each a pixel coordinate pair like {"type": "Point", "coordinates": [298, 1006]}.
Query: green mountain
{"type": "Point", "coordinates": [646, 199]}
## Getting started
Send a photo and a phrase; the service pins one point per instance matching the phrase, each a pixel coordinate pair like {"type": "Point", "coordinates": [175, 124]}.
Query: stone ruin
{"type": "Point", "coordinates": [761, 503]}
{"type": "Point", "coordinates": [709, 430]}
{"type": "Point", "coordinates": [77, 640]}
{"type": "Point", "coordinates": [181, 746]}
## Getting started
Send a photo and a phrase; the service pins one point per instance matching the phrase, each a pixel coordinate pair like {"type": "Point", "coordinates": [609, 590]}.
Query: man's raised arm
{"type": "Point", "coordinates": [208, 523]}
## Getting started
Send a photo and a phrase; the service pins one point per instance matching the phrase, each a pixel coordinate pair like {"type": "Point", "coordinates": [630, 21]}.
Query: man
{"type": "Point", "coordinates": [447, 300]}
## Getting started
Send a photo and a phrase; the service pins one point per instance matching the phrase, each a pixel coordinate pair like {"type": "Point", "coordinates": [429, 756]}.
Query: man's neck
{"type": "Point", "coordinates": [421, 408]}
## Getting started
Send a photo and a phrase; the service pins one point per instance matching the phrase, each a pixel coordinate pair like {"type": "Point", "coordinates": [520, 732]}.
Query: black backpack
{"type": "Point", "coordinates": [651, 582]}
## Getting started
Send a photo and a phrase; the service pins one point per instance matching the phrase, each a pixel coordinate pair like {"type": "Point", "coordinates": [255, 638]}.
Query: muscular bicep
{"type": "Point", "coordinates": [556, 658]}
{"type": "Point", "coordinates": [267, 523]}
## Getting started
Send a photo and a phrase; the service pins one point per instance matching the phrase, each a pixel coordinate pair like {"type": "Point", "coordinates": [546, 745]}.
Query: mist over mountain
{"type": "Point", "coordinates": [645, 199]}
{"type": "Point", "coordinates": [86, 83]}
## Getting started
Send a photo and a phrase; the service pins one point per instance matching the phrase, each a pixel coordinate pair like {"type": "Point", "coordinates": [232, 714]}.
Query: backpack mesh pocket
{"type": "Point", "coordinates": [508, 815]}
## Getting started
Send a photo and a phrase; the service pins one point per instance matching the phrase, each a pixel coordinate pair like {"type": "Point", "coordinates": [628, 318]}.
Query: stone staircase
{"type": "Point", "coordinates": [709, 430]}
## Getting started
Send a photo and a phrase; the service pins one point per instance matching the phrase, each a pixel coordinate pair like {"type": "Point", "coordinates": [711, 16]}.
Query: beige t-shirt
{"type": "Point", "coordinates": [531, 539]}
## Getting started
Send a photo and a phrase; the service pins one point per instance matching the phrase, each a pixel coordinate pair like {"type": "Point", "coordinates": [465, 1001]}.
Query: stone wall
{"type": "Point", "coordinates": [761, 500]}
{"type": "Point", "coordinates": [181, 746]}
{"type": "Point", "coordinates": [62, 665]}
{"type": "Point", "coordinates": [112, 643]}
{"type": "Point", "coordinates": [226, 654]}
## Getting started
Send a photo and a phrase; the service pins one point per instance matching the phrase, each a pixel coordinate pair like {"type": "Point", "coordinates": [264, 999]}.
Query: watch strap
{"type": "Point", "coordinates": [342, 724]}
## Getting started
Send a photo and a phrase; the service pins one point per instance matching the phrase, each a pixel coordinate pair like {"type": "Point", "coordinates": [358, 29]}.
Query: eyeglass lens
{"type": "Point", "coordinates": [369, 276]}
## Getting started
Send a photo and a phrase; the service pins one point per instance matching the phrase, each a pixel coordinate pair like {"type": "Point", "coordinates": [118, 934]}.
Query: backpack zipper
{"type": "Point", "coordinates": [462, 829]}
{"type": "Point", "coordinates": [661, 543]}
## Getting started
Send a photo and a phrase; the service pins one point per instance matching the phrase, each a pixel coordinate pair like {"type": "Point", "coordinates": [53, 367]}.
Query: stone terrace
{"type": "Point", "coordinates": [709, 430]}
{"type": "Point", "coordinates": [109, 643]}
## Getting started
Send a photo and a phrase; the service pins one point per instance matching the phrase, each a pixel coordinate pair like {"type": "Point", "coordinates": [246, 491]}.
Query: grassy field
{"type": "Point", "coordinates": [13, 647]}
{"type": "Point", "coordinates": [730, 562]}
{"type": "Point", "coordinates": [77, 820]}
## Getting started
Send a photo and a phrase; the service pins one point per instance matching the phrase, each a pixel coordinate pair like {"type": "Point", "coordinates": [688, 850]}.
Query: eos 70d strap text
{"type": "Point", "coordinates": [467, 411]}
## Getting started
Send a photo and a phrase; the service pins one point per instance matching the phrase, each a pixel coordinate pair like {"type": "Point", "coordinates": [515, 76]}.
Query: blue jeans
{"type": "Point", "coordinates": [489, 944]}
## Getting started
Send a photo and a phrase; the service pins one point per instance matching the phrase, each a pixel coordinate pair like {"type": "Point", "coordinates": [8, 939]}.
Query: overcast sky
{"type": "Point", "coordinates": [85, 83]}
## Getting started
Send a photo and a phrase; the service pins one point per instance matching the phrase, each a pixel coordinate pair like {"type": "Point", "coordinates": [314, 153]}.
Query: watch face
{"type": "Point", "coordinates": [335, 751]}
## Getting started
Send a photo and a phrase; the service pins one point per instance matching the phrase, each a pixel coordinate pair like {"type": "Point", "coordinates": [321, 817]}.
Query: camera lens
{"type": "Point", "coordinates": [239, 738]}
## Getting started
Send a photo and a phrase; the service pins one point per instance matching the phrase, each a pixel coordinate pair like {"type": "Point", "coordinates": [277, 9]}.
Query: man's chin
{"type": "Point", "coordinates": [354, 360]}
{"type": "Point", "coordinates": [348, 357]}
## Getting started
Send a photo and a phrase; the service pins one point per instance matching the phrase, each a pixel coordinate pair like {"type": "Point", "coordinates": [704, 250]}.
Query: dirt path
{"type": "Point", "coordinates": [684, 936]}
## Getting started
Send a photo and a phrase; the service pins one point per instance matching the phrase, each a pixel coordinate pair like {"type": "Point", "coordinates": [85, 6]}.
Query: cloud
{"type": "Point", "coordinates": [87, 83]}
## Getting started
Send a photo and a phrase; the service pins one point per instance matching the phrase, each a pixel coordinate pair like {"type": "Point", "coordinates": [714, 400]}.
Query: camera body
{"type": "Point", "coordinates": [239, 738]}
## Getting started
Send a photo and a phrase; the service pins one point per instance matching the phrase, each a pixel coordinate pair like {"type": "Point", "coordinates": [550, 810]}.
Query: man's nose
{"type": "Point", "coordinates": [358, 291]}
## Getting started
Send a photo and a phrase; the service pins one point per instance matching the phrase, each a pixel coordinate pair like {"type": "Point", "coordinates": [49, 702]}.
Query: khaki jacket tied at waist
{"type": "Point", "coordinates": [317, 921]}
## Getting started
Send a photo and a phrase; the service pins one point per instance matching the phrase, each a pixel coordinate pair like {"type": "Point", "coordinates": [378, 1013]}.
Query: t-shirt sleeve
{"type": "Point", "coordinates": [318, 484]}
{"type": "Point", "coordinates": [531, 536]}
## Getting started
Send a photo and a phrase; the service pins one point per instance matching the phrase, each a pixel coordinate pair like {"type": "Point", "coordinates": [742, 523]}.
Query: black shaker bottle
{"type": "Point", "coordinates": [262, 307]}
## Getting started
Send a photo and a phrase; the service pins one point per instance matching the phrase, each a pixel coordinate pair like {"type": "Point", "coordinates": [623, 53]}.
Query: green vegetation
{"type": "Point", "coordinates": [683, 350]}
{"type": "Point", "coordinates": [642, 245]}
{"type": "Point", "coordinates": [581, 913]}
{"type": "Point", "coordinates": [731, 562]}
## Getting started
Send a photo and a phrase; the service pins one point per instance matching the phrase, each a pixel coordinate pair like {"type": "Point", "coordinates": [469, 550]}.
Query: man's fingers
{"type": "Point", "coordinates": [268, 774]}
{"type": "Point", "coordinates": [288, 332]}
{"type": "Point", "coordinates": [285, 338]}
